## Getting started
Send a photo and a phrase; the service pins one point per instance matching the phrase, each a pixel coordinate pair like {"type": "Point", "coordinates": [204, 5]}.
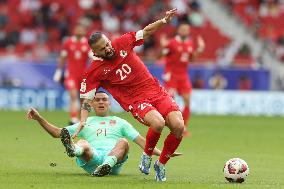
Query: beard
{"type": "Point", "coordinates": [110, 56]}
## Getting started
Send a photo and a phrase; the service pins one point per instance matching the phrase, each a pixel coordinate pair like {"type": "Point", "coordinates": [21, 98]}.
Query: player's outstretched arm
{"type": "Point", "coordinates": [51, 129]}
{"type": "Point", "coordinates": [153, 27]}
{"type": "Point", "coordinates": [85, 109]}
{"type": "Point", "coordinates": [141, 142]}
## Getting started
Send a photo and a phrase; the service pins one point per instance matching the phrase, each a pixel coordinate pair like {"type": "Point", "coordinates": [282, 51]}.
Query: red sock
{"type": "Point", "coordinates": [186, 115]}
{"type": "Point", "coordinates": [73, 114]}
{"type": "Point", "coordinates": [170, 145]}
{"type": "Point", "coordinates": [152, 139]}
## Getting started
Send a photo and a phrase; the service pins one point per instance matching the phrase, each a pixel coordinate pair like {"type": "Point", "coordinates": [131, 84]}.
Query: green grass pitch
{"type": "Point", "coordinates": [26, 152]}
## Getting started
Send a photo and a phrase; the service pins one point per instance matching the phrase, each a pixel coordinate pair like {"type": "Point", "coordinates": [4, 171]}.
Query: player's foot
{"type": "Point", "coordinates": [145, 164]}
{"type": "Point", "coordinates": [102, 170]}
{"type": "Point", "coordinates": [160, 171]}
{"type": "Point", "coordinates": [67, 142]}
{"type": "Point", "coordinates": [186, 133]}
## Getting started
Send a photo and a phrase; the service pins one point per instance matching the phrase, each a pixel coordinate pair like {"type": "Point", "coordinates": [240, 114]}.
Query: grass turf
{"type": "Point", "coordinates": [27, 153]}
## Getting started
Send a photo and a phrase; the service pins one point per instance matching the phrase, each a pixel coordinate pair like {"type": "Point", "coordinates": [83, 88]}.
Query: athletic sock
{"type": "Point", "coordinates": [152, 139]}
{"type": "Point", "coordinates": [78, 150]}
{"type": "Point", "coordinates": [170, 145]}
{"type": "Point", "coordinates": [74, 117]}
{"type": "Point", "coordinates": [111, 160]}
{"type": "Point", "coordinates": [186, 115]}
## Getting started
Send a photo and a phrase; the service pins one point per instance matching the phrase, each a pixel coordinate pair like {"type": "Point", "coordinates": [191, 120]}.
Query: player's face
{"type": "Point", "coordinates": [183, 30]}
{"type": "Point", "coordinates": [101, 104]}
{"type": "Point", "coordinates": [103, 49]}
{"type": "Point", "coordinates": [79, 31]}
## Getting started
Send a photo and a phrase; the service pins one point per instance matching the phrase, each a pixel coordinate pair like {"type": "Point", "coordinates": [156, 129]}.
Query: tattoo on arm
{"type": "Point", "coordinates": [86, 106]}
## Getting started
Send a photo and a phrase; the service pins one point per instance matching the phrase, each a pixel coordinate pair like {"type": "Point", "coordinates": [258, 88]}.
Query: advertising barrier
{"type": "Point", "coordinates": [203, 101]}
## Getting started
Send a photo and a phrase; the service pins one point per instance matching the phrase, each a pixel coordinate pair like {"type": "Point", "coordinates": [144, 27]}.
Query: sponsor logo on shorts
{"type": "Point", "coordinates": [144, 105]}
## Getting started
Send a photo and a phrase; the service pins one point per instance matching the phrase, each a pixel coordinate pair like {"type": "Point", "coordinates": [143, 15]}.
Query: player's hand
{"type": "Point", "coordinates": [57, 75]}
{"type": "Point", "coordinates": [170, 14]}
{"type": "Point", "coordinates": [33, 114]}
{"type": "Point", "coordinates": [81, 126]}
{"type": "Point", "coordinates": [200, 44]}
{"type": "Point", "coordinates": [176, 154]}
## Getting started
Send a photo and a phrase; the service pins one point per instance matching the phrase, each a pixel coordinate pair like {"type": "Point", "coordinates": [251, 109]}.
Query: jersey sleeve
{"type": "Point", "coordinates": [129, 132]}
{"type": "Point", "coordinates": [89, 85]}
{"type": "Point", "coordinates": [133, 38]}
{"type": "Point", "coordinates": [72, 128]}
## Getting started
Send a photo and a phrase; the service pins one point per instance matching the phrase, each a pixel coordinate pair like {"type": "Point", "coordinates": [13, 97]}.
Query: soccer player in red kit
{"type": "Point", "coordinates": [75, 53]}
{"type": "Point", "coordinates": [179, 51]}
{"type": "Point", "coordinates": [120, 71]}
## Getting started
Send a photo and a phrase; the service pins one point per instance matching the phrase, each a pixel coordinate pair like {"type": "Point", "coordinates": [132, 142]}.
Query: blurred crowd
{"type": "Point", "coordinates": [36, 28]}
{"type": "Point", "coordinates": [264, 18]}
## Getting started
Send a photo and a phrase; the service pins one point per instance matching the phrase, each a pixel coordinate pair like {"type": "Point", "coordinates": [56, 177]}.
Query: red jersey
{"type": "Point", "coordinates": [77, 53]}
{"type": "Point", "coordinates": [125, 77]}
{"type": "Point", "coordinates": [178, 53]}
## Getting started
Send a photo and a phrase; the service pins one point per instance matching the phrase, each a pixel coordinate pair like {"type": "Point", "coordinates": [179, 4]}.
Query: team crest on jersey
{"type": "Point", "coordinates": [83, 86]}
{"type": "Point", "coordinates": [123, 53]}
{"type": "Point", "coordinates": [112, 122]}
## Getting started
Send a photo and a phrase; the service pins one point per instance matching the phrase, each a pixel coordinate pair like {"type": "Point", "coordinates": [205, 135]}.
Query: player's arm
{"type": "Point", "coordinates": [60, 66]}
{"type": "Point", "coordinates": [153, 27]}
{"type": "Point", "coordinates": [200, 47]}
{"type": "Point", "coordinates": [87, 94]}
{"type": "Point", "coordinates": [86, 108]}
{"type": "Point", "coordinates": [48, 127]}
{"type": "Point", "coordinates": [141, 142]}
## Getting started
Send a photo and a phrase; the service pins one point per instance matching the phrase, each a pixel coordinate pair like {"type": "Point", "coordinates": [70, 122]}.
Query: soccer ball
{"type": "Point", "coordinates": [236, 170]}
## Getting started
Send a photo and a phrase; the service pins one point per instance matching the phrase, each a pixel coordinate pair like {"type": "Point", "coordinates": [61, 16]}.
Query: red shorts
{"type": "Point", "coordinates": [72, 82]}
{"type": "Point", "coordinates": [180, 84]}
{"type": "Point", "coordinates": [163, 103]}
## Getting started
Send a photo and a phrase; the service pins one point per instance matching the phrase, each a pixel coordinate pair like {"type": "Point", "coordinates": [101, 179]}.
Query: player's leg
{"type": "Point", "coordinates": [173, 118]}
{"type": "Point", "coordinates": [156, 124]}
{"type": "Point", "coordinates": [72, 88]}
{"type": "Point", "coordinates": [175, 123]}
{"type": "Point", "coordinates": [81, 148]}
{"type": "Point", "coordinates": [148, 115]}
{"type": "Point", "coordinates": [186, 111]}
{"type": "Point", "coordinates": [116, 156]}
{"type": "Point", "coordinates": [184, 89]}
{"type": "Point", "coordinates": [73, 109]}
{"type": "Point", "coordinates": [84, 150]}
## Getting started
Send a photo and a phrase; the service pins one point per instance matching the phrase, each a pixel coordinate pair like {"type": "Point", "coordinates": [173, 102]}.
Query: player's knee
{"type": "Point", "coordinates": [124, 144]}
{"type": "Point", "coordinates": [187, 102]}
{"type": "Point", "coordinates": [123, 141]}
{"type": "Point", "coordinates": [157, 124]}
{"type": "Point", "coordinates": [178, 128]}
{"type": "Point", "coordinates": [84, 144]}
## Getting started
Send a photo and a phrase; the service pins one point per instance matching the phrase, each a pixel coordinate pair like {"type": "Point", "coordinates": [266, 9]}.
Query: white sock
{"type": "Point", "coordinates": [78, 150]}
{"type": "Point", "coordinates": [111, 160]}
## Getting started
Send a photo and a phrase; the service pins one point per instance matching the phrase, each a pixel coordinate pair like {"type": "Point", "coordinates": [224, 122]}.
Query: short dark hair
{"type": "Point", "coordinates": [94, 37]}
{"type": "Point", "coordinates": [100, 92]}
